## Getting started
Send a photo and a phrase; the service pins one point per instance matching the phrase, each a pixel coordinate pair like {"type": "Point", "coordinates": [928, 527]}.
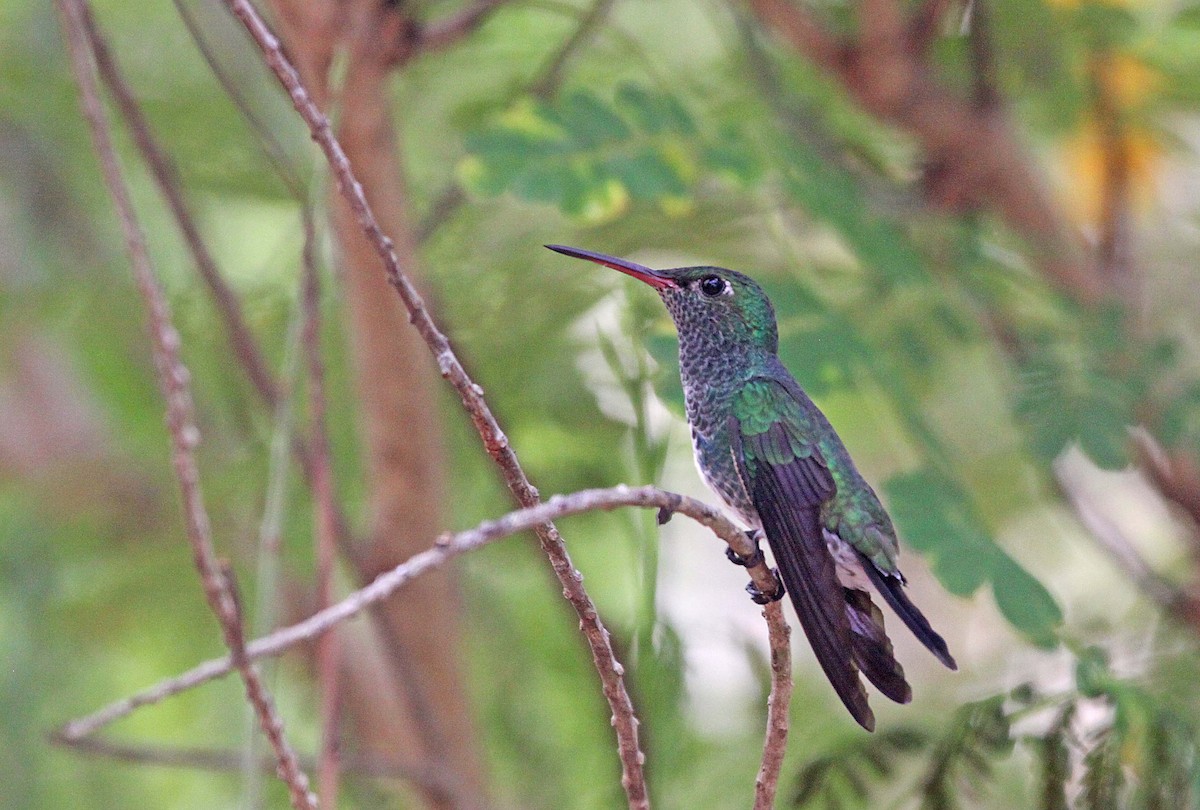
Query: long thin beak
{"type": "Point", "coordinates": [655, 278]}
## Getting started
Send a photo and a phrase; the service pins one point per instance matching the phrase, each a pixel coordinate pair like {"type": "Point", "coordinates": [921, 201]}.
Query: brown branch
{"type": "Point", "coordinates": [985, 94]}
{"type": "Point", "coordinates": [173, 380]}
{"type": "Point", "coordinates": [798, 25]}
{"type": "Point", "coordinates": [447, 548]}
{"type": "Point", "coordinates": [442, 34]}
{"type": "Point", "coordinates": [245, 348]}
{"type": "Point", "coordinates": [780, 698]}
{"type": "Point", "coordinates": [1114, 249]}
{"type": "Point", "coordinates": [925, 25]}
{"type": "Point", "coordinates": [494, 439]}
{"type": "Point", "coordinates": [1176, 476]}
{"type": "Point", "coordinates": [980, 160]}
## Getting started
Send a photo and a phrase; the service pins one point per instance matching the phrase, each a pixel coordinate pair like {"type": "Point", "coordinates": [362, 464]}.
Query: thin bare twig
{"type": "Point", "coordinates": [173, 380]}
{"type": "Point", "coordinates": [241, 337]}
{"type": "Point", "coordinates": [325, 534]}
{"type": "Point", "coordinates": [494, 439]}
{"type": "Point", "coordinates": [272, 148]}
{"type": "Point", "coordinates": [217, 759]}
{"type": "Point", "coordinates": [245, 348]}
{"type": "Point", "coordinates": [550, 77]}
{"type": "Point", "coordinates": [447, 548]}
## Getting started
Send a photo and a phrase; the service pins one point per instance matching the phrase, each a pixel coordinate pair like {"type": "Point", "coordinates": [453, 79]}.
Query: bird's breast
{"type": "Point", "coordinates": [714, 461]}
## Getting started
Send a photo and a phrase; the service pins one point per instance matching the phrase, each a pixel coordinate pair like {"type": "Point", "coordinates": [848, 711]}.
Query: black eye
{"type": "Point", "coordinates": [712, 286]}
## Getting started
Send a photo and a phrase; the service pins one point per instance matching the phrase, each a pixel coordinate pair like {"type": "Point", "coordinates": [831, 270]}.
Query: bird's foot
{"type": "Point", "coordinates": [664, 515]}
{"type": "Point", "coordinates": [750, 561]}
{"type": "Point", "coordinates": [760, 598]}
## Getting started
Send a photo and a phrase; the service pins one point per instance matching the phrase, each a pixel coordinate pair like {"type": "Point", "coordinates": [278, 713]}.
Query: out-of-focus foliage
{"type": "Point", "coordinates": [591, 158]}
{"type": "Point", "coordinates": [1103, 744]}
{"type": "Point", "coordinates": [957, 377]}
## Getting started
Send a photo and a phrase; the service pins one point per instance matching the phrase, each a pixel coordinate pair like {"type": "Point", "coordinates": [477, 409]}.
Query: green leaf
{"type": "Point", "coordinates": [656, 113]}
{"type": "Point", "coordinates": [1062, 402]}
{"type": "Point", "coordinates": [822, 348]}
{"type": "Point", "coordinates": [590, 122]}
{"type": "Point", "coordinates": [936, 519]}
{"type": "Point", "coordinates": [1105, 25]}
{"type": "Point", "coordinates": [851, 766]}
{"type": "Point", "coordinates": [647, 175]}
{"type": "Point", "coordinates": [590, 157]}
{"type": "Point", "coordinates": [935, 522]}
{"type": "Point", "coordinates": [1188, 17]}
{"type": "Point", "coordinates": [731, 155]}
{"type": "Point", "coordinates": [832, 195]}
{"type": "Point", "coordinates": [1025, 602]}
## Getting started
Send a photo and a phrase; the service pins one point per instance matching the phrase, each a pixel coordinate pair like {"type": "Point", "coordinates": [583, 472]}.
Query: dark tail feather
{"type": "Point", "coordinates": [820, 614]}
{"type": "Point", "coordinates": [872, 649]}
{"type": "Point", "coordinates": [892, 589]}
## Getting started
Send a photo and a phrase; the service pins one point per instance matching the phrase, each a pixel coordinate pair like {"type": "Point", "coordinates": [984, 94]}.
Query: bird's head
{"type": "Point", "coordinates": [724, 307]}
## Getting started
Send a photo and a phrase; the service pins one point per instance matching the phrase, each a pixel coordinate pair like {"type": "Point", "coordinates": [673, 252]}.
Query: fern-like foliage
{"type": "Point", "coordinates": [1128, 751]}
{"type": "Point", "coordinates": [842, 777]}
{"type": "Point", "coordinates": [962, 759]}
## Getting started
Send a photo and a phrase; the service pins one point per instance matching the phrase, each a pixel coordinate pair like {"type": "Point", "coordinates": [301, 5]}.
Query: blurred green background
{"type": "Point", "coordinates": [1033, 446]}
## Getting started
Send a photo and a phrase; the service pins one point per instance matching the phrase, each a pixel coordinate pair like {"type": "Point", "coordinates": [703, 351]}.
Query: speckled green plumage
{"type": "Point", "coordinates": [853, 512]}
{"type": "Point", "coordinates": [773, 458]}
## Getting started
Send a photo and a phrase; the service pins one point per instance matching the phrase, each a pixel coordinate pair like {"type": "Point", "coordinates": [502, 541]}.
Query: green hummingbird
{"type": "Point", "coordinates": [777, 464]}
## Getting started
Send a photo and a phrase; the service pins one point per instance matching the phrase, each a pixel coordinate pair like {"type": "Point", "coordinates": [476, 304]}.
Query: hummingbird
{"type": "Point", "coordinates": [780, 468]}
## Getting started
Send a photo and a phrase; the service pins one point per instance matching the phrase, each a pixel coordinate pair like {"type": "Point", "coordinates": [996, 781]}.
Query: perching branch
{"type": "Point", "coordinates": [780, 698]}
{"type": "Point", "coordinates": [494, 439]}
{"type": "Point", "coordinates": [447, 548]}
{"type": "Point", "coordinates": [173, 379]}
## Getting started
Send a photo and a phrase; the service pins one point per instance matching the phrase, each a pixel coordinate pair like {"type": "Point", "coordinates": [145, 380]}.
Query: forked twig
{"type": "Point", "coordinates": [174, 382]}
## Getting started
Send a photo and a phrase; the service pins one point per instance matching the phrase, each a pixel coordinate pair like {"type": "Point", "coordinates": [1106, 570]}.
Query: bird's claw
{"type": "Point", "coordinates": [664, 515]}
{"type": "Point", "coordinates": [760, 598]}
{"type": "Point", "coordinates": [750, 561]}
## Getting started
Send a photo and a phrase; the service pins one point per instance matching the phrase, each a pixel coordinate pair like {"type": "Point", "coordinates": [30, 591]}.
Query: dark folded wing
{"type": "Point", "coordinates": [787, 489]}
